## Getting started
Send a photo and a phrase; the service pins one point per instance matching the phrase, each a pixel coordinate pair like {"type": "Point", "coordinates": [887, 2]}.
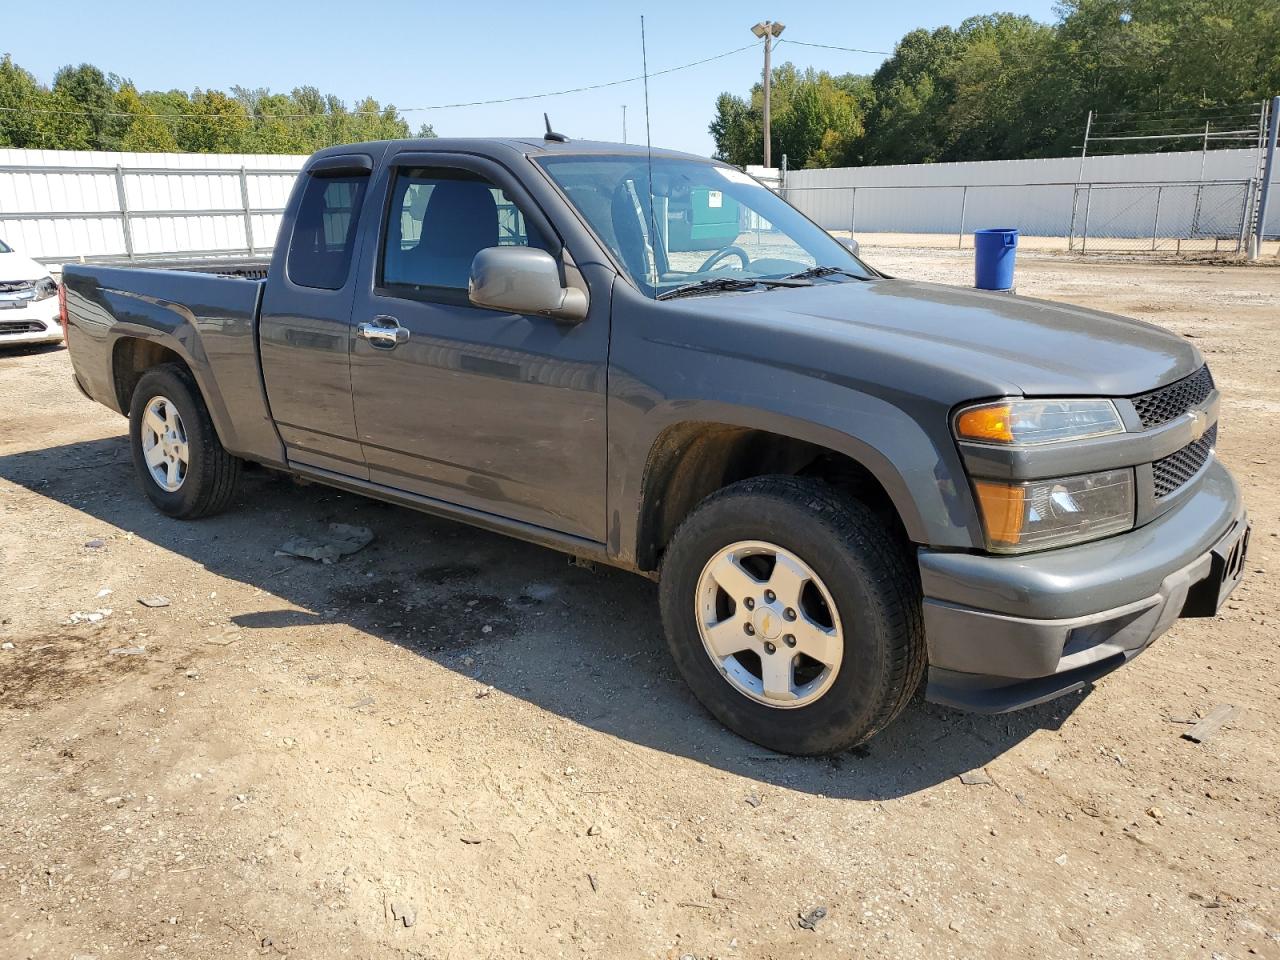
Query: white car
{"type": "Point", "coordinates": [29, 311]}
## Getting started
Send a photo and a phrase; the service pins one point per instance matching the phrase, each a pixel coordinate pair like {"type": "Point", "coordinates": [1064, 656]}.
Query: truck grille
{"type": "Point", "coordinates": [1173, 471]}
{"type": "Point", "coordinates": [1167, 403]}
{"type": "Point", "coordinates": [21, 326]}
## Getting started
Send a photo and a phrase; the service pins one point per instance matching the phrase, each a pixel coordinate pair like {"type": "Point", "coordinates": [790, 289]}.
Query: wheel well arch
{"type": "Point", "coordinates": [131, 357]}
{"type": "Point", "coordinates": [690, 461]}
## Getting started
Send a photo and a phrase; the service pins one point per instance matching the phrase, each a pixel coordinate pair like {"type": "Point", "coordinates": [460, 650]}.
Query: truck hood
{"type": "Point", "coordinates": [14, 266]}
{"type": "Point", "coordinates": [983, 343]}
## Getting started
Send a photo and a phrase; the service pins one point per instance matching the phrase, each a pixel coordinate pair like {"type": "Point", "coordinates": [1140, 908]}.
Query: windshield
{"type": "Point", "coordinates": [706, 222]}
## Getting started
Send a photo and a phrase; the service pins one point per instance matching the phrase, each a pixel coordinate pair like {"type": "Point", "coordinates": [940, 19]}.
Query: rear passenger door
{"type": "Point", "coordinates": [494, 411]}
{"type": "Point", "coordinates": [304, 327]}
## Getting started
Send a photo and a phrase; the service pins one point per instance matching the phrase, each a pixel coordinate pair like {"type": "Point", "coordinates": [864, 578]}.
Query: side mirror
{"type": "Point", "coordinates": [523, 280]}
{"type": "Point", "coordinates": [850, 244]}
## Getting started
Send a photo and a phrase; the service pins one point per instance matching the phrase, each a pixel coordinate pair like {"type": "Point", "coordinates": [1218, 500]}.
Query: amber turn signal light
{"type": "Point", "coordinates": [993, 423]}
{"type": "Point", "coordinates": [1003, 511]}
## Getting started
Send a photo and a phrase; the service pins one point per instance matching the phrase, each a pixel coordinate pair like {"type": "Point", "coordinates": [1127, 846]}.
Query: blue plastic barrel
{"type": "Point", "coordinates": [994, 251]}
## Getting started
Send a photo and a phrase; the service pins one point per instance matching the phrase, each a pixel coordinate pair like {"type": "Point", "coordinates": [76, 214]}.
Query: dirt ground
{"type": "Point", "coordinates": [467, 730]}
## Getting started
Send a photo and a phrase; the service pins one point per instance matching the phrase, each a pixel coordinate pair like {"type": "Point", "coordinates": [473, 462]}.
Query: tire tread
{"type": "Point", "coordinates": [217, 482]}
{"type": "Point", "coordinates": [895, 589]}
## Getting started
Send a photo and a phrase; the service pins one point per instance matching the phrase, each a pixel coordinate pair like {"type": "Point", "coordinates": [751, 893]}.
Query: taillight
{"type": "Point", "coordinates": [62, 309]}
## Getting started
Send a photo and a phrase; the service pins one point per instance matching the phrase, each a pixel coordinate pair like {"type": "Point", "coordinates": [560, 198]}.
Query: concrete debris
{"type": "Point", "coordinates": [593, 830]}
{"type": "Point", "coordinates": [814, 917]}
{"type": "Point", "coordinates": [95, 544]}
{"type": "Point", "coordinates": [1211, 724]}
{"type": "Point", "coordinates": [88, 616]}
{"type": "Point", "coordinates": [127, 651]}
{"type": "Point", "coordinates": [405, 913]}
{"type": "Point", "coordinates": [156, 601]}
{"type": "Point", "coordinates": [120, 875]}
{"type": "Point", "coordinates": [753, 800]}
{"type": "Point", "coordinates": [342, 539]}
{"type": "Point", "coordinates": [973, 778]}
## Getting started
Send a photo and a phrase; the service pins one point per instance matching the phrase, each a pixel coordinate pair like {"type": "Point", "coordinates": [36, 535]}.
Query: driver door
{"type": "Point", "coordinates": [493, 411]}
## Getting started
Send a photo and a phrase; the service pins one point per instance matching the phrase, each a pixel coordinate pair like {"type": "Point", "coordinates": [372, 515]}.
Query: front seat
{"type": "Point", "coordinates": [461, 219]}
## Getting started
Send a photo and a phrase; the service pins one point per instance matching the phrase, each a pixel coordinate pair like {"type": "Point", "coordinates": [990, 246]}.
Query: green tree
{"type": "Point", "coordinates": [86, 109]}
{"type": "Point", "coordinates": [145, 132]}
{"type": "Point", "coordinates": [21, 100]}
{"type": "Point", "coordinates": [736, 130]}
{"type": "Point", "coordinates": [87, 98]}
{"type": "Point", "coordinates": [816, 119]}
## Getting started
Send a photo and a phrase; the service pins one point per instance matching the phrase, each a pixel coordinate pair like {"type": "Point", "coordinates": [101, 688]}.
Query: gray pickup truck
{"type": "Point", "coordinates": [840, 479]}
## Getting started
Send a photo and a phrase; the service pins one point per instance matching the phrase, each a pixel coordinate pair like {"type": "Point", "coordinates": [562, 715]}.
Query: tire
{"type": "Point", "coordinates": [208, 481]}
{"type": "Point", "coordinates": [857, 564]}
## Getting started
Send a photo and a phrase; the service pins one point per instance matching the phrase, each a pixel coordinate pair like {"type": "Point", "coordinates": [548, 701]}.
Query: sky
{"type": "Point", "coordinates": [415, 53]}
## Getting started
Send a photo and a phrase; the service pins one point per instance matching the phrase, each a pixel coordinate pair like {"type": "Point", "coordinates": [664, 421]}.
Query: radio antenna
{"type": "Point", "coordinates": [648, 145]}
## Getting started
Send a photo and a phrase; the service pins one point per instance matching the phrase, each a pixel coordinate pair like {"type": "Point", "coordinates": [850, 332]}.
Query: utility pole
{"type": "Point", "coordinates": [624, 123]}
{"type": "Point", "coordinates": [767, 30]}
{"type": "Point", "coordinates": [1268, 174]}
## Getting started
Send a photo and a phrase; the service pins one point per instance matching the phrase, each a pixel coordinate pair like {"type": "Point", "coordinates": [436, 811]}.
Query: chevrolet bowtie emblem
{"type": "Point", "coordinates": [1199, 423]}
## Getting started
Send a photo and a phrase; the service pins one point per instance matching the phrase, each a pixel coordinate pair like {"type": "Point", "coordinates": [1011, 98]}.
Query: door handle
{"type": "Point", "coordinates": [383, 331]}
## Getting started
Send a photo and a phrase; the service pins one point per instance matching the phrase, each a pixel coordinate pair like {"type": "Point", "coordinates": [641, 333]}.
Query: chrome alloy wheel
{"type": "Point", "coordinates": [769, 624]}
{"type": "Point", "coordinates": [164, 444]}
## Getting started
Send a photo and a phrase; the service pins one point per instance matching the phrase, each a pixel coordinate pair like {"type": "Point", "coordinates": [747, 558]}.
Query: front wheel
{"type": "Point", "coordinates": [180, 462]}
{"type": "Point", "coordinates": [794, 614]}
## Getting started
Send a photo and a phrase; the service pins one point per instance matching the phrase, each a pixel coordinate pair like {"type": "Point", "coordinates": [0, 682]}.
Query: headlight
{"type": "Point", "coordinates": [1029, 422]}
{"type": "Point", "coordinates": [1053, 513]}
{"type": "Point", "coordinates": [45, 287]}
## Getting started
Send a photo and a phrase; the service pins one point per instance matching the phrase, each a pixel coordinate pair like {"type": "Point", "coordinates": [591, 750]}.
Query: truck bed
{"type": "Point", "coordinates": [207, 311]}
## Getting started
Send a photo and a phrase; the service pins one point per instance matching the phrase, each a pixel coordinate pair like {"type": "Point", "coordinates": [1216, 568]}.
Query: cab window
{"type": "Point", "coordinates": [324, 235]}
{"type": "Point", "coordinates": [439, 219]}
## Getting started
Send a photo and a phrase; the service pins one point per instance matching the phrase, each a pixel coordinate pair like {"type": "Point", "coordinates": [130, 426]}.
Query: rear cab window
{"type": "Point", "coordinates": [324, 234]}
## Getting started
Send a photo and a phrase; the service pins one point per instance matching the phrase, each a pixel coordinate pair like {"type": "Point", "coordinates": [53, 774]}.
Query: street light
{"type": "Point", "coordinates": [767, 30]}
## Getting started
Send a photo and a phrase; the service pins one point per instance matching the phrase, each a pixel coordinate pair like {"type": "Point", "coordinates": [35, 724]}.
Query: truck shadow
{"type": "Point", "coordinates": [586, 645]}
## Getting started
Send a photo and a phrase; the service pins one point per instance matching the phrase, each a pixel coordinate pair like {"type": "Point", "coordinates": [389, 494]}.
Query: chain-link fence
{"type": "Point", "coordinates": [1206, 216]}
{"type": "Point", "coordinates": [1174, 216]}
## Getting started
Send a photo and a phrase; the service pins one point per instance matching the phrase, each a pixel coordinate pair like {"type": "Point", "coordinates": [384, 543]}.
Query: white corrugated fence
{"type": "Point", "coordinates": [65, 205]}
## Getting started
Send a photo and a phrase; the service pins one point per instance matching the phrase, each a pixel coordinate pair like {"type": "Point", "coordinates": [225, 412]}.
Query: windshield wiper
{"type": "Point", "coordinates": [729, 283]}
{"type": "Point", "coordinates": [821, 271]}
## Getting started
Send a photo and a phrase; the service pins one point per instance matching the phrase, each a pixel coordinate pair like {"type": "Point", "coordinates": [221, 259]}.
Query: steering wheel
{"type": "Point", "coordinates": [732, 250]}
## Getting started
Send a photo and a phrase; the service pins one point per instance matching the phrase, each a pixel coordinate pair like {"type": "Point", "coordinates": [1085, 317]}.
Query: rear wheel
{"type": "Point", "coordinates": [181, 464]}
{"type": "Point", "coordinates": [794, 614]}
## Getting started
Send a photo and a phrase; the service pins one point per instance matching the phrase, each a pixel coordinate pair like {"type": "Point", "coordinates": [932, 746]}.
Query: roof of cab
{"type": "Point", "coordinates": [491, 146]}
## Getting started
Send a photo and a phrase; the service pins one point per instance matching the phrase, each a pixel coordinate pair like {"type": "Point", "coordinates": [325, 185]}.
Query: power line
{"type": "Point", "coordinates": [829, 46]}
{"type": "Point", "coordinates": [379, 113]}
{"type": "Point", "coordinates": [594, 86]}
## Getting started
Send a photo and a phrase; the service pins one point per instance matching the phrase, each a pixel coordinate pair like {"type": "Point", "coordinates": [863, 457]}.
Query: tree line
{"type": "Point", "coordinates": [85, 109]}
{"type": "Point", "coordinates": [1002, 86]}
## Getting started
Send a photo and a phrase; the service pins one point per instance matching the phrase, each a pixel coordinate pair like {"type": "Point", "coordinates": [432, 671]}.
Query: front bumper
{"type": "Point", "coordinates": [36, 323]}
{"type": "Point", "coordinates": [1006, 632]}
